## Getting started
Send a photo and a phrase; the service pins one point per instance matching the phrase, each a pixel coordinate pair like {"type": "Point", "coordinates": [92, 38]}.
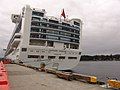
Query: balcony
{"type": "Point", "coordinates": [41, 27]}
{"type": "Point", "coordinates": [17, 35]}
{"type": "Point", "coordinates": [41, 14]}
{"type": "Point", "coordinates": [15, 42]}
{"type": "Point", "coordinates": [75, 27]}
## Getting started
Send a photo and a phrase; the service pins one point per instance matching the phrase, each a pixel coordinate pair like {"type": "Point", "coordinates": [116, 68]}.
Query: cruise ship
{"type": "Point", "coordinates": [38, 38]}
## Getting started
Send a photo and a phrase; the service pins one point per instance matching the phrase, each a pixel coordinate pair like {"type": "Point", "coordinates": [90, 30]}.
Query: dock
{"type": "Point", "coordinates": [23, 78]}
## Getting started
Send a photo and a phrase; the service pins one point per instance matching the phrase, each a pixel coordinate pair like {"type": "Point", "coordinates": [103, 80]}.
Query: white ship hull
{"type": "Point", "coordinates": [61, 64]}
{"type": "Point", "coordinates": [38, 39]}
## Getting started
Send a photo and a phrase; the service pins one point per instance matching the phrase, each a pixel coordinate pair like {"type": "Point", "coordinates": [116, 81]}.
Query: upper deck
{"type": "Point", "coordinates": [35, 28]}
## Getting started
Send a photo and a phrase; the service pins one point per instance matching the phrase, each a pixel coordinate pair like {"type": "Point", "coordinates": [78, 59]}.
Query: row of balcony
{"type": "Point", "coordinates": [55, 27]}
{"type": "Point", "coordinates": [71, 36]}
{"type": "Point", "coordinates": [47, 29]}
{"type": "Point", "coordinates": [52, 22]}
{"type": "Point", "coordinates": [53, 38]}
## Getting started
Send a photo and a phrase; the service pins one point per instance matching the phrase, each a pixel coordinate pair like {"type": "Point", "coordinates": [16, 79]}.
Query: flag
{"type": "Point", "coordinates": [63, 14]}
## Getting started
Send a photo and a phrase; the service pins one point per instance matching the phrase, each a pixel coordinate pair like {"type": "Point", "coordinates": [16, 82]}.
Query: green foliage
{"type": "Point", "coordinates": [101, 57]}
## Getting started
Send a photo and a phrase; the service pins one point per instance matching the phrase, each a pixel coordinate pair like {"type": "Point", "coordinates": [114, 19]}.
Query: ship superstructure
{"type": "Point", "coordinates": [38, 38]}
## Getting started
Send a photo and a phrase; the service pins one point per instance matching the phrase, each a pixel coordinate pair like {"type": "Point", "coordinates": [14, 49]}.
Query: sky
{"type": "Point", "coordinates": [101, 21]}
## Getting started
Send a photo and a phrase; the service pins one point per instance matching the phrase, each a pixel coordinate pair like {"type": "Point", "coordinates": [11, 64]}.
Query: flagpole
{"type": "Point", "coordinates": [63, 14]}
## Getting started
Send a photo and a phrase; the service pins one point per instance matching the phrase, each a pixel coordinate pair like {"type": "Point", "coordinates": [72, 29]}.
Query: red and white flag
{"type": "Point", "coordinates": [63, 14]}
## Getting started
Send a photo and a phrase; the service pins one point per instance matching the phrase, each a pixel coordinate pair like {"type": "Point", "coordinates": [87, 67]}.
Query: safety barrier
{"type": "Point", "coordinates": [52, 71]}
{"type": "Point", "coordinates": [64, 75]}
{"type": "Point", "coordinates": [4, 85]}
{"type": "Point", "coordinates": [6, 61]}
{"type": "Point", "coordinates": [113, 84]}
{"type": "Point", "coordinates": [85, 78]}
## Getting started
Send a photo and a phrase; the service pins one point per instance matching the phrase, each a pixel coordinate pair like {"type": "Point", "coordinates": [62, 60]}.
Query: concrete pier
{"type": "Point", "coordinates": [22, 78]}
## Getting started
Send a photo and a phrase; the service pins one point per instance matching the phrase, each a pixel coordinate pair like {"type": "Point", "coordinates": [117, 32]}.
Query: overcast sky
{"type": "Point", "coordinates": [101, 18]}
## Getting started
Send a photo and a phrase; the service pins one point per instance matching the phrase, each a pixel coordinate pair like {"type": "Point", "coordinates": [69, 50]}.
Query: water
{"type": "Point", "coordinates": [101, 69]}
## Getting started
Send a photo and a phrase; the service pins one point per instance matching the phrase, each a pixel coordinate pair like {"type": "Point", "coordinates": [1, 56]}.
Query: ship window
{"type": "Point", "coordinates": [53, 32]}
{"type": "Point", "coordinates": [66, 24]}
{"type": "Point", "coordinates": [76, 36]}
{"type": "Point", "coordinates": [66, 45]}
{"type": "Point", "coordinates": [37, 42]}
{"type": "Point", "coordinates": [38, 13]}
{"type": "Point", "coordinates": [51, 57]}
{"type": "Point", "coordinates": [79, 53]}
{"type": "Point", "coordinates": [65, 39]}
{"type": "Point", "coordinates": [76, 23]}
{"type": "Point", "coordinates": [61, 57]}
{"type": "Point", "coordinates": [35, 18]}
{"type": "Point", "coordinates": [31, 50]}
{"type": "Point", "coordinates": [68, 34]}
{"type": "Point", "coordinates": [65, 28]}
{"type": "Point", "coordinates": [56, 32]}
{"type": "Point", "coordinates": [72, 35]}
{"type": "Point", "coordinates": [33, 56]}
{"type": "Point", "coordinates": [76, 31]}
{"type": "Point", "coordinates": [76, 41]}
{"type": "Point", "coordinates": [50, 43]}
{"type": "Point", "coordinates": [24, 49]}
{"type": "Point", "coordinates": [42, 36]}
{"type": "Point", "coordinates": [52, 37]}
{"type": "Point", "coordinates": [74, 46]}
{"type": "Point", "coordinates": [42, 57]}
{"type": "Point", "coordinates": [44, 24]}
{"type": "Point", "coordinates": [34, 35]}
{"type": "Point", "coordinates": [72, 57]}
{"type": "Point", "coordinates": [62, 33]}
{"type": "Point", "coordinates": [53, 26]}
{"type": "Point", "coordinates": [35, 23]}
{"type": "Point", "coordinates": [44, 19]}
{"type": "Point", "coordinates": [72, 30]}
{"type": "Point", "coordinates": [43, 30]}
{"type": "Point", "coordinates": [53, 21]}
{"type": "Point", "coordinates": [37, 51]}
{"type": "Point", "coordinates": [34, 29]}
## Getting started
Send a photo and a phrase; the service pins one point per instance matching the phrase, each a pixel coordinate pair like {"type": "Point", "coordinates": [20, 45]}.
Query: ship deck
{"type": "Point", "coordinates": [22, 78]}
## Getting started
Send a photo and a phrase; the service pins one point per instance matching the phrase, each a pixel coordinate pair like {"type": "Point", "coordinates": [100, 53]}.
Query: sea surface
{"type": "Point", "coordinates": [102, 69]}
